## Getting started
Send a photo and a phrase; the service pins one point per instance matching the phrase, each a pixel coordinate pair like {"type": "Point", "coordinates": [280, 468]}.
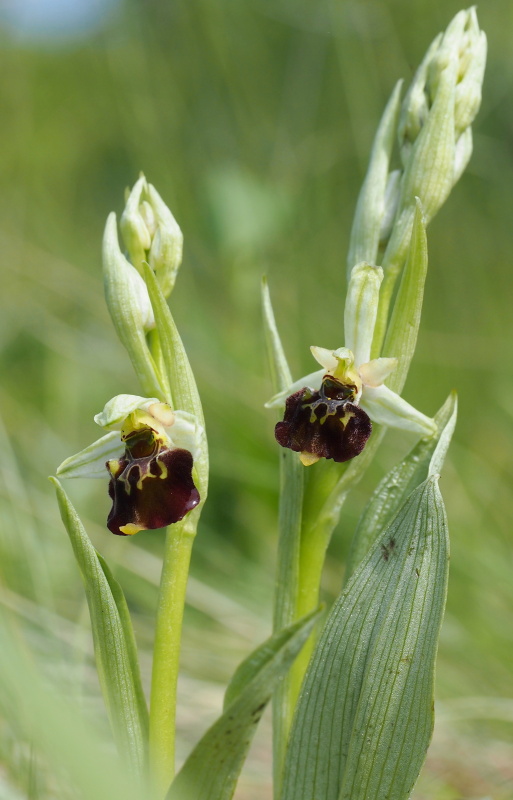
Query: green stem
{"type": "Point", "coordinates": [166, 652]}
{"type": "Point", "coordinates": [286, 593]}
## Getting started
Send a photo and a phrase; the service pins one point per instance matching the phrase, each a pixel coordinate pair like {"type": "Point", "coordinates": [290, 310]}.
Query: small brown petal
{"type": "Point", "coordinates": [152, 491]}
{"type": "Point", "coordinates": [325, 423]}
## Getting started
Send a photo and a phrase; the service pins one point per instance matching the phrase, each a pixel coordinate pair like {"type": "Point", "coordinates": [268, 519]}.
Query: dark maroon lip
{"type": "Point", "coordinates": [153, 491]}
{"type": "Point", "coordinates": [325, 423]}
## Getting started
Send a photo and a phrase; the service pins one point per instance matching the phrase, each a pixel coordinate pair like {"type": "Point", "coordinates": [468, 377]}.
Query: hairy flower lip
{"type": "Point", "coordinates": [324, 423]}
{"type": "Point", "coordinates": [150, 492]}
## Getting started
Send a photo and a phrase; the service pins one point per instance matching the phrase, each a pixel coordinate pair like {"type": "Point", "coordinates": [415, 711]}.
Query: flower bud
{"type": "Point", "coordinates": [129, 307]}
{"type": "Point", "coordinates": [434, 126]}
{"type": "Point", "coordinates": [151, 233]}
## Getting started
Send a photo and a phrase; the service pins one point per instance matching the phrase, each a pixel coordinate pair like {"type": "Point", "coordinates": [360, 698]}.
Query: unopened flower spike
{"type": "Point", "coordinates": [328, 413]}
{"type": "Point", "coordinates": [151, 481]}
{"type": "Point", "coordinates": [151, 233]}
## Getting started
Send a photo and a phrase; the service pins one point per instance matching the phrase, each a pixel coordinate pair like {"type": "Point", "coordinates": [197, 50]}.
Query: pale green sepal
{"type": "Point", "coordinates": [468, 90]}
{"type": "Point", "coordinates": [212, 769]}
{"type": "Point", "coordinates": [403, 328]}
{"type": "Point", "coordinates": [426, 458]}
{"type": "Point", "coordinates": [113, 659]}
{"type": "Point", "coordinates": [187, 432]}
{"type": "Point", "coordinates": [90, 462]}
{"type": "Point", "coordinates": [361, 310]}
{"type": "Point", "coordinates": [365, 715]}
{"type": "Point", "coordinates": [462, 153]}
{"type": "Point", "coordinates": [371, 206]}
{"type": "Point", "coordinates": [151, 233]}
{"type": "Point", "coordinates": [392, 194]}
{"type": "Point", "coordinates": [414, 108]}
{"type": "Point", "coordinates": [127, 297]}
{"type": "Point", "coordinates": [119, 407]}
{"type": "Point", "coordinates": [281, 376]}
{"type": "Point", "coordinates": [313, 380]}
{"type": "Point", "coordinates": [165, 254]}
{"type": "Point", "coordinates": [429, 172]}
{"type": "Point", "coordinates": [184, 391]}
{"type": "Point", "coordinates": [134, 228]}
{"type": "Point", "coordinates": [388, 408]}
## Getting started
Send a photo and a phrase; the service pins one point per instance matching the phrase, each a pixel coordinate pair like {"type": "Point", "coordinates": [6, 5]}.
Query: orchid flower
{"type": "Point", "coordinates": [151, 482]}
{"type": "Point", "coordinates": [328, 413]}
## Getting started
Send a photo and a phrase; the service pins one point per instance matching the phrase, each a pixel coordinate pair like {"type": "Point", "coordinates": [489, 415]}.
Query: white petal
{"type": "Point", "coordinates": [375, 372]}
{"type": "Point", "coordinates": [361, 310]}
{"type": "Point", "coordinates": [388, 408]}
{"type": "Point", "coordinates": [313, 381]}
{"type": "Point", "coordinates": [188, 433]}
{"type": "Point", "coordinates": [90, 462]}
{"type": "Point", "coordinates": [118, 409]}
{"type": "Point", "coordinates": [326, 358]}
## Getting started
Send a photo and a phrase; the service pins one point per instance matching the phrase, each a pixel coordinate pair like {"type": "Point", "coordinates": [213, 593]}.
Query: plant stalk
{"type": "Point", "coordinates": [166, 653]}
{"type": "Point", "coordinates": [286, 595]}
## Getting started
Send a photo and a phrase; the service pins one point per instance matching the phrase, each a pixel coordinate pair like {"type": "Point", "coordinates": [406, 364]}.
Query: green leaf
{"type": "Point", "coordinates": [212, 769]}
{"type": "Point", "coordinates": [364, 242]}
{"type": "Point", "coordinates": [426, 458]}
{"type": "Point", "coordinates": [114, 646]}
{"type": "Point", "coordinates": [185, 395]}
{"type": "Point", "coordinates": [365, 716]}
{"type": "Point", "coordinates": [286, 595]}
{"type": "Point", "coordinates": [403, 328]}
{"type": "Point", "coordinates": [280, 371]}
{"type": "Point", "coordinates": [127, 301]}
{"type": "Point", "coordinates": [130, 643]}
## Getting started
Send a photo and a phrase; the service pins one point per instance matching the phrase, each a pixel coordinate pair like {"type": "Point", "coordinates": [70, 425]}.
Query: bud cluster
{"type": "Point", "coordinates": [433, 129]}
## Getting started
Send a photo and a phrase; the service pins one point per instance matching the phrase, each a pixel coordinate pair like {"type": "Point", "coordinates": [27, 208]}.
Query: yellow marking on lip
{"type": "Point", "coordinates": [143, 476]}
{"type": "Point", "coordinates": [307, 459]}
{"type": "Point", "coordinates": [349, 414]}
{"type": "Point", "coordinates": [113, 466]}
{"type": "Point", "coordinates": [163, 469]}
{"type": "Point", "coordinates": [131, 528]}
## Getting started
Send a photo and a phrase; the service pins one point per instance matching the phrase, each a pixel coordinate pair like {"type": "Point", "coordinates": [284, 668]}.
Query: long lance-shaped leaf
{"type": "Point", "coordinates": [365, 716]}
{"type": "Point", "coordinates": [288, 557]}
{"type": "Point", "coordinates": [113, 643]}
{"type": "Point", "coordinates": [131, 646]}
{"type": "Point", "coordinates": [213, 767]}
{"type": "Point", "coordinates": [185, 395]}
{"type": "Point", "coordinates": [424, 459]}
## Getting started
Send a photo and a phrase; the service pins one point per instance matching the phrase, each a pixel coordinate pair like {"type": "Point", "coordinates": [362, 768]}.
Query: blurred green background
{"type": "Point", "coordinates": [254, 120]}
